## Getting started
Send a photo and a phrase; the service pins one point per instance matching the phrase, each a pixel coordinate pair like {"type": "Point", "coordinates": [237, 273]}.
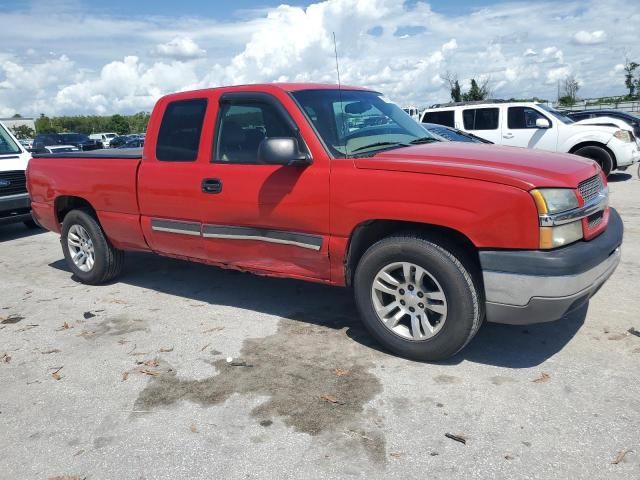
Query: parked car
{"type": "Point", "coordinates": [78, 140]}
{"type": "Point", "coordinates": [61, 149]}
{"type": "Point", "coordinates": [27, 143]}
{"type": "Point", "coordinates": [611, 122]}
{"type": "Point", "coordinates": [104, 138]}
{"type": "Point", "coordinates": [15, 205]}
{"type": "Point", "coordinates": [433, 236]}
{"type": "Point", "coordinates": [122, 139]}
{"type": "Point", "coordinates": [453, 134]}
{"type": "Point", "coordinates": [535, 125]}
{"type": "Point", "coordinates": [632, 119]}
{"type": "Point", "coordinates": [133, 143]}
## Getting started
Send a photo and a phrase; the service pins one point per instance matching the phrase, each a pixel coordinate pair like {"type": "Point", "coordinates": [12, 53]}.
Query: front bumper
{"type": "Point", "coordinates": [533, 286]}
{"type": "Point", "coordinates": [15, 208]}
{"type": "Point", "coordinates": [626, 153]}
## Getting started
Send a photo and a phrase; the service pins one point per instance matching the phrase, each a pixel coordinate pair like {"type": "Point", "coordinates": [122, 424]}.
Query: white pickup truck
{"type": "Point", "coordinates": [15, 205]}
{"type": "Point", "coordinates": [535, 125]}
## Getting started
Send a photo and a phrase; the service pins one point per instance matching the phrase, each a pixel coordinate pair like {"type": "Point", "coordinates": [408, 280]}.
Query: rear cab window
{"type": "Point", "coordinates": [180, 130]}
{"type": "Point", "coordinates": [480, 118]}
{"type": "Point", "coordinates": [442, 117]}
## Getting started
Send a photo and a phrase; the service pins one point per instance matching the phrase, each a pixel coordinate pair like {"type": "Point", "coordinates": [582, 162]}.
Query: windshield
{"type": "Point", "coordinates": [110, 135]}
{"type": "Point", "coordinates": [559, 115]}
{"type": "Point", "coordinates": [359, 122]}
{"type": "Point", "coordinates": [7, 145]}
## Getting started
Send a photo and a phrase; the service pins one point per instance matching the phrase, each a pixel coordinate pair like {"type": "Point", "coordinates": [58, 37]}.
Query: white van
{"type": "Point", "coordinates": [105, 138]}
{"type": "Point", "coordinates": [15, 205]}
{"type": "Point", "coordinates": [535, 125]}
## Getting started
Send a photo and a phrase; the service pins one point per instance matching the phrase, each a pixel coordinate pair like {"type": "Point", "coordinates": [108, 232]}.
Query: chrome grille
{"type": "Point", "coordinates": [590, 188]}
{"type": "Point", "coordinates": [12, 182]}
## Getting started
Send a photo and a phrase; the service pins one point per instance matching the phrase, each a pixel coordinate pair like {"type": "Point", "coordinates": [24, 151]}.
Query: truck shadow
{"type": "Point", "coordinates": [16, 231]}
{"type": "Point", "coordinates": [500, 345]}
{"type": "Point", "coordinates": [618, 177]}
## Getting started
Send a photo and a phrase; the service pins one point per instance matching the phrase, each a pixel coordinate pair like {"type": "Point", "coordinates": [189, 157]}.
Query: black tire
{"type": "Point", "coordinates": [599, 155]}
{"type": "Point", "coordinates": [108, 259]}
{"type": "Point", "coordinates": [463, 293]}
{"type": "Point", "coordinates": [31, 224]}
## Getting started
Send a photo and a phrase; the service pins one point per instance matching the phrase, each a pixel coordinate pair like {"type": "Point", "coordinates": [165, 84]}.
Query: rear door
{"type": "Point", "coordinates": [169, 177]}
{"type": "Point", "coordinates": [271, 218]}
{"type": "Point", "coordinates": [483, 122]}
{"type": "Point", "coordinates": [520, 130]}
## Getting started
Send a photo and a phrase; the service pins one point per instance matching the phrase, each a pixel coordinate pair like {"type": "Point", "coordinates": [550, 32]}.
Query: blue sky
{"type": "Point", "coordinates": [76, 56]}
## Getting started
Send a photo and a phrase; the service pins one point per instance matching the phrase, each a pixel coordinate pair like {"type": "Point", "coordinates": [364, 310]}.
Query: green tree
{"type": "Point", "coordinates": [629, 81]}
{"type": "Point", "coordinates": [44, 125]}
{"type": "Point", "coordinates": [477, 91]}
{"type": "Point", "coordinates": [23, 131]}
{"type": "Point", "coordinates": [119, 124]}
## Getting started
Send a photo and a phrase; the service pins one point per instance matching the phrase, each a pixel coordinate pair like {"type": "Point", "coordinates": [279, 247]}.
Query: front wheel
{"type": "Point", "coordinates": [417, 298]}
{"type": "Point", "coordinates": [599, 155]}
{"type": "Point", "coordinates": [88, 252]}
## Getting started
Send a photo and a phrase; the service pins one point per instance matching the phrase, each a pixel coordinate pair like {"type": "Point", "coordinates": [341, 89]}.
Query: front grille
{"type": "Point", "coordinates": [590, 188]}
{"type": "Point", "coordinates": [595, 220]}
{"type": "Point", "coordinates": [16, 183]}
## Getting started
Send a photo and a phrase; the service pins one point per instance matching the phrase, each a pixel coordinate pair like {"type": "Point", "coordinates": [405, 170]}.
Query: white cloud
{"type": "Point", "coordinates": [107, 64]}
{"type": "Point", "coordinates": [590, 38]}
{"type": "Point", "coordinates": [180, 48]}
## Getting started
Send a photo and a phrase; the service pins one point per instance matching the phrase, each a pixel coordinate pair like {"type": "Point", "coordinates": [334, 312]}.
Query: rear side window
{"type": "Point", "coordinates": [179, 135]}
{"type": "Point", "coordinates": [523, 117]}
{"type": "Point", "coordinates": [444, 117]}
{"type": "Point", "coordinates": [480, 118]}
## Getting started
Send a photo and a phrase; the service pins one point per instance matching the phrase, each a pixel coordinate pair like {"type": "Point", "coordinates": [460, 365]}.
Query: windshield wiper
{"type": "Point", "coordinates": [421, 140]}
{"type": "Point", "coordinates": [380, 144]}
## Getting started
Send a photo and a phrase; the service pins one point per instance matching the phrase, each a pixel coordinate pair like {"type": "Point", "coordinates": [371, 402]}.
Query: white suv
{"type": "Point", "coordinates": [105, 137]}
{"type": "Point", "coordinates": [534, 125]}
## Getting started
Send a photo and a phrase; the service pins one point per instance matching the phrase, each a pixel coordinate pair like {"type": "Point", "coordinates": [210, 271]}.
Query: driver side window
{"type": "Point", "coordinates": [520, 118]}
{"type": "Point", "coordinates": [241, 128]}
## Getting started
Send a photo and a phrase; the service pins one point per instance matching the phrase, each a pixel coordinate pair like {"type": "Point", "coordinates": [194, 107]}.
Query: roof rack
{"type": "Point", "coordinates": [473, 102]}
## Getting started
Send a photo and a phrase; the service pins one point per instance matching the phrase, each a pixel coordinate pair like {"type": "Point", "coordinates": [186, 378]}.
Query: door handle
{"type": "Point", "coordinates": [508, 135]}
{"type": "Point", "coordinates": [211, 185]}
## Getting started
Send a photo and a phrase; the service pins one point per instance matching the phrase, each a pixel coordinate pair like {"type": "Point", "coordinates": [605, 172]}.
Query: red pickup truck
{"type": "Point", "coordinates": [340, 186]}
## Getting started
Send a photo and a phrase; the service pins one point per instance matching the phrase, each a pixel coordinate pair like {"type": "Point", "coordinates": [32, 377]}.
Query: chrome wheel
{"type": "Point", "coordinates": [409, 301]}
{"type": "Point", "coordinates": [81, 248]}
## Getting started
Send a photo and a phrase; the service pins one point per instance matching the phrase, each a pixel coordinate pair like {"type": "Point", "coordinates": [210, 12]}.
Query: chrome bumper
{"type": "Point", "coordinates": [535, 287]}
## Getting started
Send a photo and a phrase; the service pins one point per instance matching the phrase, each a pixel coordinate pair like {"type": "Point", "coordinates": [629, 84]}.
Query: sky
{"type": "Point", "coordinates": [119, 56]}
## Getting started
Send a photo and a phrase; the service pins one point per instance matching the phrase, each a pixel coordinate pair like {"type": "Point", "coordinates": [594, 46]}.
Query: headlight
{"type": "Point", "coordinates": [554, 200]}
{"type": "Point", "coordinates": [623, 135]}
{"type": "Point", "coordinates": [552, 237]}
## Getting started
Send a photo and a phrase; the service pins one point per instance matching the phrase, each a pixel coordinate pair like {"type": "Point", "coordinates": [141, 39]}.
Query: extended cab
{"type": "Point", "coordinates": [342, 187]}
{"type": "Point", "coordinates": [535, 125]}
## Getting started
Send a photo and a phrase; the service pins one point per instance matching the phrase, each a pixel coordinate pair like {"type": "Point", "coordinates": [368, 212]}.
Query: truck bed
{"type": "Point", "coordinates": [128, 153]}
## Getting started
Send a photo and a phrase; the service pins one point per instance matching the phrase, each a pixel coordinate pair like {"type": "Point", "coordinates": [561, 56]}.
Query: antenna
{"type": "Point", "coordinates": [344, 123]}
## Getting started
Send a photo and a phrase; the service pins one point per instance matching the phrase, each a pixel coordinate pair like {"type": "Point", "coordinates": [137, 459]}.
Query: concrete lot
{"type": "Point", "coordinates": [130, 380]}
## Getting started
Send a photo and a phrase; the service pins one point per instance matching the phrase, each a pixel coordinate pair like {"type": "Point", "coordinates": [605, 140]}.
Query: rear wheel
{"type": "Point", "coordinates": [600, 155]}
{"type": "Point", "coordinates": [87, 250]}
{"type": "Point", "coordinates": [417, 298]}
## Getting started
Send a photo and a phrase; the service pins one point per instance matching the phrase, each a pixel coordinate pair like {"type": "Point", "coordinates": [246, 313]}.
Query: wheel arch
{"type": "Point", "coordinates": [65, 203]}
{"type": "Point", "coordinates": [592, 143]}
{"type": "Point", "coordinates": [369, 232]}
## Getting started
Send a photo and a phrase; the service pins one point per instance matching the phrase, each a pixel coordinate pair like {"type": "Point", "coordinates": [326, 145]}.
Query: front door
{"type": "Point", "coordinates": [270, 218]}
{"type": "Point", "coordinates": [520, 129]}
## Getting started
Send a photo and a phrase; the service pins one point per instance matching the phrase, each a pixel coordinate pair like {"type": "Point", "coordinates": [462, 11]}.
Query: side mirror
{"type": "Point", "coordinates": [542, 123]}
{"type": "Point", "coordinates": [282, 151]}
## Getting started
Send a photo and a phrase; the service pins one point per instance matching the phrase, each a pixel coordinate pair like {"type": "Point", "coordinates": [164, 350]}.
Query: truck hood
{"type": "Point", "coordinates": [519, 167]}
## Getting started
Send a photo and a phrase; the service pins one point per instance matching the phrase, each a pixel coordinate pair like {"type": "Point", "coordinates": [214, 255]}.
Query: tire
{"type": "Point", "coordinates": [461, 297]}
{"type": "Point", "coordinates": [107, 260]}
{"type": "Point", "coordinates": [599, 155]}
{"type": "Point", "coordinates": [31, 224]}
